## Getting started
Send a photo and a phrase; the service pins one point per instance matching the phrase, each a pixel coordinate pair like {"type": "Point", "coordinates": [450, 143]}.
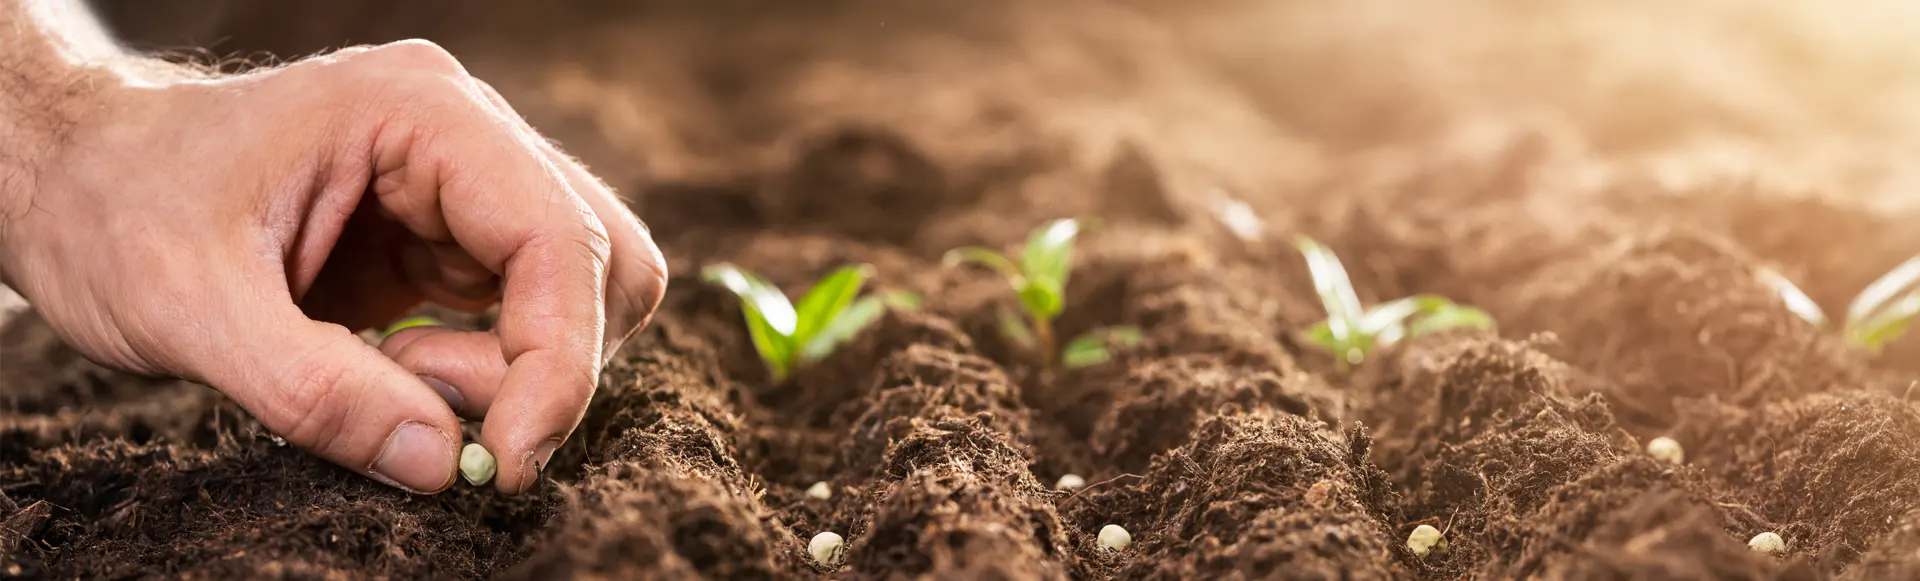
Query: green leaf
{"type": "Point", "coordinates": [984, 257]}
{"type": "Point", "coordinates": [1348, 352]}
{"type": "Point", "coordinates": [1886, 325]}
{"type": "Point", "coordinates": [901, 300]}
{"type": "Point", "coordinates": [1890, 285]}
{"type": "Point", "coordinates": [1321, 334]}
{"type": "Point", "coordinates": [1015, 329]}
{"type": "Point", "coordinates": [1392, 315]}
{"type": "Point", "coordinates": [1092, 347]}
{"type": "Point", "coordinates": [1451, 316]}
{"type": "Point", "coordinates": [1387, 323]}
{"type": "Point", "coordinates": [1079, 354]}
{"type": "Point", "coordinates": [827, 298]}
{"type": "Point", "coordinates": [1049, 251]}
{"type": "Point", "coordinates": [1796, 301]}
{"type": "Point", "coordinates": [1041, 297]}
{"type": "Point", "coordinates": [770, 318]}
{"type": "Point", "coordinates": [842, 328]}
{"type": "Point", "coordinates": [862, 313]}
{"type": "Point", "coordinates": [1330, 282]}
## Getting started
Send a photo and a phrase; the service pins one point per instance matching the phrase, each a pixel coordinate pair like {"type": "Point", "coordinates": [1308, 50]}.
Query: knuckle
{"type": "Point", "coordinates": [419, 54]}
{"type": "Point", "coordinates": [579, 382]}
{"type": "Point", "coordinates": [598, 243]}
{"type": "Point", "coordinates": [313, 391]}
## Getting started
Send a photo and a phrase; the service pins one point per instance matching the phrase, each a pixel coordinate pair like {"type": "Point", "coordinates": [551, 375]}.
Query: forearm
{"type": "Point", "coordinates": [54, 60]}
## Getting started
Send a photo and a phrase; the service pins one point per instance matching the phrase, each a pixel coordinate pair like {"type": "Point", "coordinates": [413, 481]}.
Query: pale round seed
{"type": "Point", "coordinates": [1424, 539]}
{"type": "Point", "coordinates": [1070, 482]}
{"type": "Point", "coordinates": [1667, 450]}
{"type": "Point", "coordinates": [820, 491]}
{"type": "Point", "coordinates": [827, 548]}
{"type": "Point", "coordinates": [1768, 542]}
{"type": "Point", "coordinates": [1114, 538]}
{"type": "Point", "coordinates": [476, 464]}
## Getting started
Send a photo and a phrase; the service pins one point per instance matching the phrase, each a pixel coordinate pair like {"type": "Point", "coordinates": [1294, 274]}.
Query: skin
{"type": "Point", "coordinates": [236, 230]}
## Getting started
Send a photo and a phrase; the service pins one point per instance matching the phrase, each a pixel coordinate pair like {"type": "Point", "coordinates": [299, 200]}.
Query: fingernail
{"type": "Point", "coordinates": [418, 458]}
{"type": "Point", "coordinates": [447, 392]}
{"type": "Point", "coordinates": [409, 323]}
{"type": "Point", "coordinates": [536, 463]}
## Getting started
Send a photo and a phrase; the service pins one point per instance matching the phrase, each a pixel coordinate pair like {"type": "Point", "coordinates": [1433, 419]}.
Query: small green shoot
{"type": "Point", "coordinates": [1879, 314]}
{"type": "Point", "coordinates": [1882, 312]}
{"type": "Point", "coordinates": [1796, 301]}
{"type": "Point", "coordinates": [1352, 331]}
{"type": "Point", "coordinates": [789, 336]}
{"type": "Point", "coordinates": [1095, 347]}
{"type": "Point", "coordinates": [1039, 279]}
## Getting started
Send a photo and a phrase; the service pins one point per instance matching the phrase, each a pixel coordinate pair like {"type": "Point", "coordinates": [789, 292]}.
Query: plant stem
{"type": "Point", "coordinates": [1043, 340]}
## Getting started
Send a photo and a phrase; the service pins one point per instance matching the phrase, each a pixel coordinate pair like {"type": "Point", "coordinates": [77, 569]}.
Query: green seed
{"type": "Point", "coordinates": [1113, 538]}
{"type": "Point", "coordinates": [820, 491]}
{"type": "Point", "coordinates": [409, 323]}
{"type": "Point", "coordinates": [476, 464]}
{"type": "Point", "coordinates": [1425, 539]}
{"type": "Point", "coordinates": [1667, 450]}
{"type": "Point", "coordinates": [828, 549]}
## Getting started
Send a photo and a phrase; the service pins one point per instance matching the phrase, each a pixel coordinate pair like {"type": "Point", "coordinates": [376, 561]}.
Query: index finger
{"type": "Point", "coordinates": [454, 170]}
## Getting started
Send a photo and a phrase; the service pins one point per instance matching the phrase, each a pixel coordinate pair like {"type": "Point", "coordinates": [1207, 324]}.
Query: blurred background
{"type": "Point", "coordinates": [1811, 98]}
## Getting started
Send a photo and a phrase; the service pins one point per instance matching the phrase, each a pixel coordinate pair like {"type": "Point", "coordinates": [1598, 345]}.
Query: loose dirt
{"type": "Point", "coordinates": [1443, 150]}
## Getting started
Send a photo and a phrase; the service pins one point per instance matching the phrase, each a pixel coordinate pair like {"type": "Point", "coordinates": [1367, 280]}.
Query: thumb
{"type": "Point", "coordinates": [325, 390]}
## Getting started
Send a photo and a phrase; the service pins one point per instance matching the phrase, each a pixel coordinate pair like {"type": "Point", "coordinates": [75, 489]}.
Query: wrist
{"type": "Point", "coordinates": [59, 70]}
{"type": "Point", "coordinates": [50, 73]}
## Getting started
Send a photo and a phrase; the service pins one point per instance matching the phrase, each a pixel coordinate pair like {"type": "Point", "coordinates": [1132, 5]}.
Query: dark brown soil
{"type": "Point", "coordinates": [794, 140]}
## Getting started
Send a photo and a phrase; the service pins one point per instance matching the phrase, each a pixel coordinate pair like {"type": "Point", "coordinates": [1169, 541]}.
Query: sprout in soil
{"type": "Point", "coordinates": [1351, 331]}
{"type": "Point", "coordinates": [1070, 482]}
{"type": "Point", "coordinates": [1882, 312]}
{"type": "Point", "coordinates": [1879, 314]}
{"type": "Point", "coordinates": [820, 491]}
{"type": "Point", "coordinates": [1425, 539]}
{"type": "Point", "coordinates": [828, 548]}
{"type": "Point", "coordinates": [1115, 539]}
{"type": "Point", "coordinates": [789, 336]}
{"type": "Point", "coordinates": [1768, 542]}
{"type": "Point", "coordinates": [476, 464]}
{"type": "Point", "coordinates": [1667, 450]}
{"type": "Point", "coordinates": [1040, 280]}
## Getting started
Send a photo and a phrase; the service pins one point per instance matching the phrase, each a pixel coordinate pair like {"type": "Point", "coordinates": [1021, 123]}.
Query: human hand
{"type": "Point", "coordinates": [233, 230]}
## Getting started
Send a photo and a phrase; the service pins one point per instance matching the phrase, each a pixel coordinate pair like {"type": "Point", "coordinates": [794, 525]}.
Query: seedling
{"type": "Point", "coordinates": [1796, 301]}
{"type": "Point", "coordinates": [789, 336]}
{"type": "Point", "coordinates": [1879, 314]}
{"type": "Point", "coordinates": [1882, 312]}
{"type": "Point", "coordinates": [1351, 332]}
{"type": "Point", "coordinates": [1040, 280]}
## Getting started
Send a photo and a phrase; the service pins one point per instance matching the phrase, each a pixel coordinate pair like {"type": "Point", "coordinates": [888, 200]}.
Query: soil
{"type": "Point", "coordinates": [792, 141]}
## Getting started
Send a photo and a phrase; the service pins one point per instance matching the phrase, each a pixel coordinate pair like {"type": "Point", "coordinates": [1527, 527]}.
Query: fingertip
{"type": "Point", "coordinates": [540, 403]}
{"type": "Point", "coordinates": [531, 468]}
{"type": "Point", "coordinates": [418, 457]}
